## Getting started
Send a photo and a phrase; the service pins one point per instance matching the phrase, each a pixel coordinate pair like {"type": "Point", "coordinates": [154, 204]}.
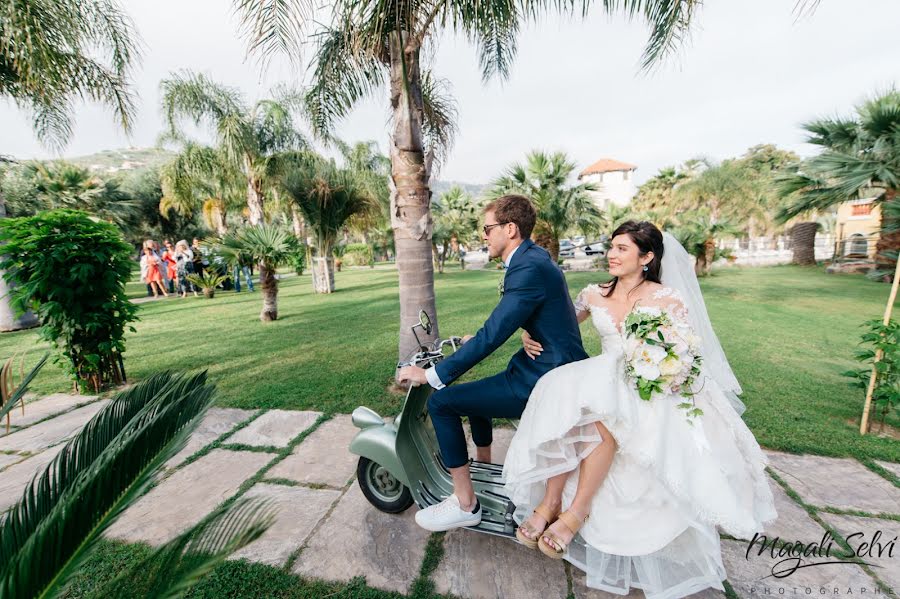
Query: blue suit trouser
{"type": "Point", "coordinates": [480, 400]}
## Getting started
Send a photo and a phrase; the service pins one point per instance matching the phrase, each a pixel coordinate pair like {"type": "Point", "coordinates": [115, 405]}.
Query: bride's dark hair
{"type": "Point", "coordinates": [648, 238]}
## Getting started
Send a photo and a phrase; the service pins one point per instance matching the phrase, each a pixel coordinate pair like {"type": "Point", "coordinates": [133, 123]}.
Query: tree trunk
{"type": "Point", "coordinates": [269, 285]}
{"type": "Point", "coordinates": [297, 223]}
{"type": "Point", "coordinates": [9, 320]}
{"type": "Point", "coordinates": [803, 241]}
{"type": "Point", "coordinates": [544, 237]}
{"type": "Point", "coordinates": [709, 254]}
{"type": "Point", "coordinates": [255, 197]}
{"type": "Point", "coordinates": [410, 195]}
{"type": "Point", "coordinates": [888, 242]}
{"type": "Point", "coordinates": [323, 270]}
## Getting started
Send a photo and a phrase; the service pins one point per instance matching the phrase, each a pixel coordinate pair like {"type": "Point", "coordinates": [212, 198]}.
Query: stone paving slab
{"type": "Point", "coordinates": [582, 591]}
{"type": "Point", "coordinates": [214, 424]}
{"type": "Point", "coordinates": [836, 482]}
{"type": "Point", "coordinates": [14, 479]}
{"type": "Point", "coordinates": [46, 434]}
{"type": "Point", "coordinates": [751, 577]}
{"type": "Point", "coordinates": [275, 428]}
{"type": "Point", "coordinates": [883, 556]}
{"type": "Point", "coordinates": [7, 459]}
{"type": "Point", "coordinates": [792, 523]}
{"type": "Point", "coordinates": [299, 510]}
{"type": "Point", "coordinates": [323, 457]}
{"type": "Point", "coordinates": [183, 499]}
{"type": "Point", "coordinates": [892, 467]}
{"type": "Point", "coordinates": [481, 566]}
{"type": "Point", "coordinates": [359, 540]}
{"type": "Point", "coordinates": [46, 407]}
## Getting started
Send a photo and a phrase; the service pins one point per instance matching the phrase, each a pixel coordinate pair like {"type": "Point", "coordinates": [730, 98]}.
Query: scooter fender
{"type": "Point", "coordinates": [379, 444]}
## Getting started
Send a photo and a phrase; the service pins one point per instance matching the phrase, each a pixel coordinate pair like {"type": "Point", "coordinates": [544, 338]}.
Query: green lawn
{"type": "Point", "coordinates": [788, 332]}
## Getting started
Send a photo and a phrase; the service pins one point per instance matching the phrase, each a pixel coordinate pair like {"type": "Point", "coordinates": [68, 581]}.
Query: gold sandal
{"type": "Point", "coordinates": [570, 521]}
{"type": "Point", "coordinates": [544, 512]}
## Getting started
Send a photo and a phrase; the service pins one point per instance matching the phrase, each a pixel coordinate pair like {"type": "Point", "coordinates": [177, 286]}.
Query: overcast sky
{"type": "Point", "coordinates": [751, 74]}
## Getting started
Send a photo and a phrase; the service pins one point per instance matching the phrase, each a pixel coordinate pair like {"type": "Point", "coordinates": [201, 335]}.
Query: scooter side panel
{"type": "Point", "coordinates": [379, 444]}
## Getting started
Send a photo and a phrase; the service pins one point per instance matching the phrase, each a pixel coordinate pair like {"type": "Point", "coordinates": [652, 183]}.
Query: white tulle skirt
{"type": "Point", "coordinates": [653, 523]}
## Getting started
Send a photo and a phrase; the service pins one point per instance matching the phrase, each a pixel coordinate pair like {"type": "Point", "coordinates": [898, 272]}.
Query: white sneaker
{"type": "Point", "coordinates": [447, 515]}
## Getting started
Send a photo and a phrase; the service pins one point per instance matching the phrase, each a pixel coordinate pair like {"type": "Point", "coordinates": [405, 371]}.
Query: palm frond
{"type": "Point", "coordinates": [274, 27]}
{"type": "Point", "coordinates": [20, 390]}
{"type": "Point", "coordinates": [176, 566]}
{"type": "Point", "coordinates": [342, 76]}
{"type": "Point", "coordinates": [439, 125]}
{"type": "Point", "coordinates": [99, 473]}
{"type": "Point", "coordinates": [270, 245]}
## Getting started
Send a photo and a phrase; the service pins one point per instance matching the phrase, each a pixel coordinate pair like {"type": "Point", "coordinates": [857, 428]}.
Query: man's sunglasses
{"type": "Point", "coordinates": [487, 228]}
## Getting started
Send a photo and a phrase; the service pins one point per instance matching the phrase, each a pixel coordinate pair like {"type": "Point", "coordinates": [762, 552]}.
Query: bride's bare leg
{"type": "Point", "coordinates": [591, 474]}
{"type": "Point", "coordinates": [532, 527]}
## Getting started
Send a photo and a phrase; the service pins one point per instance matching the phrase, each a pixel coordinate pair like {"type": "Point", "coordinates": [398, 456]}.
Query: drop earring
{"type": "Point", "coordinates": [646, 268]}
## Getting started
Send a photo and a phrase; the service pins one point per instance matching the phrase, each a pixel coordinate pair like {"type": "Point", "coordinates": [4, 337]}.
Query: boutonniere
{"type": "Point", "coordinates": [500, 284]}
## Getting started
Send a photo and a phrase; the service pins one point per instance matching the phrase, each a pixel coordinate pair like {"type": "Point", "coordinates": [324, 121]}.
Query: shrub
{"type": "Point", "coordinates": [71, 270]}
{"type": "Point", "coordinates": [207, 282]}
{"type": "Point", "coordinates": [298, 258]}
{"type": "Point", "coordinates": [882, 352]}
{"type": "Point", "coordinates": [358, 254]}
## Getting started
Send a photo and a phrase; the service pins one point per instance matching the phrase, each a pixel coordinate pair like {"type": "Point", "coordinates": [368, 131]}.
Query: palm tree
{"type": "Point", "coordinates": [248, 140]}
{"type": "Point", "coordinates": [327, 197]}
{"type": "Point", "coordinates": [269, 246]}
{"type": "Point", "coordinates": [860, 158]}
{"type": "Point", "coordinates": [697, 232]}
{"type": "Point", "coordinates": [104, 469]}
{"type": "Point", "coordinates": [366, 46]}
{"type": "Point", "coordinates": [560, 206]}
{"type": "Point", "coordinates": [456, 220]}
{"type": "Point", "coordinates": [52, 54]}
{"type": "Point", "coordinates": [65, 185]}
{"type": "Point", "coordinates": [201, 176]}
{"type": "Point", "coordinates": [656, 195]}
{"type": "Point", "coordinates": [721, 190]}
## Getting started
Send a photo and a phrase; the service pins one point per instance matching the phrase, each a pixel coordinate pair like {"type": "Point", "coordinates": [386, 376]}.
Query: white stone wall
{"type": "Point", "coordinates": [764, 251]}
{"type": "Point", "coordinates": [616, 187]}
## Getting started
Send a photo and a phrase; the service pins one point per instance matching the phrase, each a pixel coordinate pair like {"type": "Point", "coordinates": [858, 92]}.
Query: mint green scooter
{"type": "Point", "coordinates": [400, 462]}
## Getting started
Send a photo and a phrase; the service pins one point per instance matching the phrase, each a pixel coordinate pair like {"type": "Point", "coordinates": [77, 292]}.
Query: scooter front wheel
{"type": "Point", "coordinates": [381, 488]}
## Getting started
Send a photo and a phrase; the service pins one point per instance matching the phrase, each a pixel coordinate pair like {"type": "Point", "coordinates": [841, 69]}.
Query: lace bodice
{"type": "Point", "coordinates": [590, 300]}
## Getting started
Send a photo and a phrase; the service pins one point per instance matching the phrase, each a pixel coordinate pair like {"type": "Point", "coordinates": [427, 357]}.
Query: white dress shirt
{"type": "Point", "coordinates": [431, 373]}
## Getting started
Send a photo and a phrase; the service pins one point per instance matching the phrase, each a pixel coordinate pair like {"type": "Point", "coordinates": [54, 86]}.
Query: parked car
{"type": "Point", "coordinates": [566, 248]}
{"type": "Point", "coordinates": [597, 248]}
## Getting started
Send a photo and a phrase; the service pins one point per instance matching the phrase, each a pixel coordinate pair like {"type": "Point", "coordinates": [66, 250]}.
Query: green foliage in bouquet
{"type": "Point", "coordinates": [71, 269]}
{"type": "Point", "coordinates": [883, 338]}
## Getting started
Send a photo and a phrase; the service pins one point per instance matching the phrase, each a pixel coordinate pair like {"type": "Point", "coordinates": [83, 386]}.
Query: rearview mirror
{"type": "Point", "coordinates": [425, 321]}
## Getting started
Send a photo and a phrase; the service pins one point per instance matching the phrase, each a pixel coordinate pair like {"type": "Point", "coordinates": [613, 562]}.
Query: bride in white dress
{"type": "Point", "coordinates": [625, 489]}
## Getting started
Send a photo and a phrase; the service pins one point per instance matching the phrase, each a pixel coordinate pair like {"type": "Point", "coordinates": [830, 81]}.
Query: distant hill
{"type": "Point", "coordinates": [473, 189]}
{"type": "Point", "coordinates": [126, 159]}
{"type": "Point", "coordinates": [129, 159]}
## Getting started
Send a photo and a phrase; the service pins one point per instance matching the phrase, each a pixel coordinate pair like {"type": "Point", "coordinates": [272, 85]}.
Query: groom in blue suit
{"type": "Point", "coordinates": [534, 297]}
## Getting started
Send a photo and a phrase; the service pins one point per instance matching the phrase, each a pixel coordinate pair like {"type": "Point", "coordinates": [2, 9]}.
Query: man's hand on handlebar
{"type": "Point", "coordinates": [412, 374]}
{"type": "Point", "coordinates": [466, 338]}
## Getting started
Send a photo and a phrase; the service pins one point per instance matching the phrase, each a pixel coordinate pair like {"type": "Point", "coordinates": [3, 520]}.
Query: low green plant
{"type": "Point", "coordinates": [207, 282]}
{"type": "Point", "coordinates": [71, 270]}
{"type": "Point", "coordinates": [358, 254]}
{"type": "Point", "coordinates": [882, 341]}
{"type": "Point", "coordinates": [298, 258]}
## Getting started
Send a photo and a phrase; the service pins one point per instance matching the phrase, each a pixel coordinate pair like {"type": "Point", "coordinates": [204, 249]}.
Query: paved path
{"type": "Point", "coordinates": [326, 528]}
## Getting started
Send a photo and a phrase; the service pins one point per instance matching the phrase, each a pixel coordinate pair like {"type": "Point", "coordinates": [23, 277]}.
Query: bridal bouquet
{"type": "Point", "coordinates": [662, 357]}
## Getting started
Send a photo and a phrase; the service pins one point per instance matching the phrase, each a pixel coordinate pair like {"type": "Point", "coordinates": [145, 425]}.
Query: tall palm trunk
{"type": "Point", "coordinates": [214, 214]}
{"type": "Point", "coordinates": [709, 254]}
{"type": "Point", "coordinates": [254, 193]}
{"type": "Point", "coordinates": [269, 286]}
{"type": "Point", "coordinates": [410, 195]}
{"type": "Point", "coordinates": [803, 242]}
{"type": "Point", "coordinates": [9, 321]}
{"type": "Point", "coordinates": [888, 242]}
{"type": "Point", "coordinates": [323, 269]}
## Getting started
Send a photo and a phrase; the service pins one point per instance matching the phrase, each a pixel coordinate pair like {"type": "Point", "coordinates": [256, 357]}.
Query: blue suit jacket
{"type": "Point", "coordinates": [536, 298]}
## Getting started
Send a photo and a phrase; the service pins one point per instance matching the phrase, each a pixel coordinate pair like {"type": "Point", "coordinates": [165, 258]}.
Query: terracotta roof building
{"type": "Point", "coordinates": [615, 180]}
